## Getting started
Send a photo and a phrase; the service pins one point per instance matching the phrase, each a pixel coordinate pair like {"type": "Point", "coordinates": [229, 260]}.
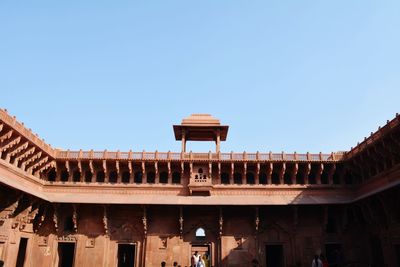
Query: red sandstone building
{"type": "Point", "coordinates": [103, 208]}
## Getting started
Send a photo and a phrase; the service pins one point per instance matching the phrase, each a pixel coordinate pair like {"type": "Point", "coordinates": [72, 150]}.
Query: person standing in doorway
{"type": "Point", "coordinates": [316, 262]}
{"type": "Point", "coordinates": [195, 259]}
{"type": "Point", "coordinates": [206, 259]}
{"type": "Point", "coordinates": [201, 262]}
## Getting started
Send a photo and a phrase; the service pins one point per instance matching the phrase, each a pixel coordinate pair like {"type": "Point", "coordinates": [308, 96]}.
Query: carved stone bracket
{"type": "Point", "coordinates": [105, 219]}
{"type": "Point", "coordinates": [55, 216]}
{"type": "Point", "coordinates": [144, 220]}
{"type": "Point", "coordinates": [220, 222]}
{"type": "Point", "coordinates": [182, 167]}
{"type": "Point", "coordinates": [29, 216]}
{"type": "Point", "coordinates": [75, 217]}
{"type": "Point", "coordinates": [42, 218]}
{"type": "Point", "coordinates": [14, 206]}
{"type": "Point", "coordinates": [181, 222]}
{"type": "Point", "coordinates": [257, 220]}
{"type": "Point", "coordinates": [91, 168]}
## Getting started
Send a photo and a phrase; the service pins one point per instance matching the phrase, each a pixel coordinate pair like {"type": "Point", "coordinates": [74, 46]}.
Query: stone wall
{"type": "Point", "coordinates": [365, 232]}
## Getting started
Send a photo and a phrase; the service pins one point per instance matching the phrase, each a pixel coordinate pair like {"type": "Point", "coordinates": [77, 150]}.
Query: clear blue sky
{"type": "Point", "coordinates": [285, 75]}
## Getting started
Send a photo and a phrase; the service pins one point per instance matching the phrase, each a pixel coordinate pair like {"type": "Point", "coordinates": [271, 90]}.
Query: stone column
{"type": "Point", "coordinates": [218, 141]}
{"type": "Point", "coordinates": [183, 141]}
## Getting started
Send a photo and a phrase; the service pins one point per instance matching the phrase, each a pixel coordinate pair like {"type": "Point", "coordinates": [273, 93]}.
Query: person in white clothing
{"type": "Point", "coordinates": [316, 262]}
{"type": "Point", "coordinates": [201, 262]}
{"type": "Point", "coordinates": [195, 259]}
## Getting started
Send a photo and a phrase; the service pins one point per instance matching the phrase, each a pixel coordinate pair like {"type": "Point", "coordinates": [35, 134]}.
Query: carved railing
{"type": "Point", "coordinates": [337, 156]}
{"type": "Point", "coordinates": [191, 156]}
{"type": "Point", "coordinates": [374, 136]}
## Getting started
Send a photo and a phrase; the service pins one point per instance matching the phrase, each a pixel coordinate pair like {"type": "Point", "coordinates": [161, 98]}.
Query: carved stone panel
{"type": "Point", "coordinates": [163, 242]}
{"type": "Point", "coordinates": [90, 242]}
{"type": "Point", "coordinates": [43, 241]}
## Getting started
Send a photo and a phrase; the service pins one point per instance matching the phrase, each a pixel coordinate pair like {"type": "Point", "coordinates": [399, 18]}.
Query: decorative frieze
{"type": "Point", "coordinates": [67, 238]}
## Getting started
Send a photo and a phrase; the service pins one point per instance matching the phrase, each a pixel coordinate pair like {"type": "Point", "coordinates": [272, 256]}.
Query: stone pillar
{"type": "Point", "coordinates": [218, 142]}
{"type": "Point", "coordinates": [231, 181]}
{"type": "Point", "coordinates": [183, 141]}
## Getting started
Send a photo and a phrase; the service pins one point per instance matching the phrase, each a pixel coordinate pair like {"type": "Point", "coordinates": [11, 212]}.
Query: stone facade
{"type": "Point", "coordinates": [88, 208]}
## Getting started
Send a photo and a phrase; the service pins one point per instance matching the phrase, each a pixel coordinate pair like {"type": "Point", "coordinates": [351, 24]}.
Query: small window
{"type": "Point", "coordinates": [200, 233]}
{"type": "Point", "coordinates": [200, 170]}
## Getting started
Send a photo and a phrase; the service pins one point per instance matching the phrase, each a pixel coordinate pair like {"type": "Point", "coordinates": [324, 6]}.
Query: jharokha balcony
{"type": "Point", "coordinates": [159, 177]}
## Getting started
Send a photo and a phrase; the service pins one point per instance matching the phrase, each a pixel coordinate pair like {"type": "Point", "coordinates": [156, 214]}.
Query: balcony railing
{"type": "Point", "coordinates": [191, 156]}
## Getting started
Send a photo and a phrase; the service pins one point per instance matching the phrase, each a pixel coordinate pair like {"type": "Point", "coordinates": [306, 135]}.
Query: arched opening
{"type": "Point", "coordinates": [64, 176]}
{"type": "Point", "coordinates": [88, 176]}
{"type": "Point", "coordinates": [112, 177]}
{"type": "Point", "coordinates": [138, 177]}
{"type": "Point", "coordinates": [76, 177]}
{"type": "Point", "coordinates": [100, 176]}
{"type": "Point", "coordinates": [263, 178]}
{"type": "Point", "coordinates": [176, 177]}
{"type": "Point", "coordinates": [275, 178]}
{"type": "Point", "coordinates": [126, 177]}
{"type": "Point", "coordinates": [224, 178]}
{"type": "Point", "coordinates": [200, 233]}
{"type": "Point", "coordinates": [324, 177]}
{"type": "Point", "coordinates": [51, 175]}
{"type": "Point", "coordinates": [312, 177]}
{"type": "Point", "coordinates": [250, 178]}
{"type": "Point", "coordinates": [237, 178]}
{"type": "Point", "coordinates": [300, 174]}
{"type": "Point", "coordinates": [164, 177]}
{"type": "Point", "coordinates": [151, 177]}
{"type": "Point", "coordinates": [287, 177]}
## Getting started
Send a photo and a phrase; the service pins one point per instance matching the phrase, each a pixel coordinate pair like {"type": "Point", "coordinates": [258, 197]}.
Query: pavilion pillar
{"type": "Point", "coordinates": [183, 141]}
{"type": "Point", "coordinates": [218, 142]}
